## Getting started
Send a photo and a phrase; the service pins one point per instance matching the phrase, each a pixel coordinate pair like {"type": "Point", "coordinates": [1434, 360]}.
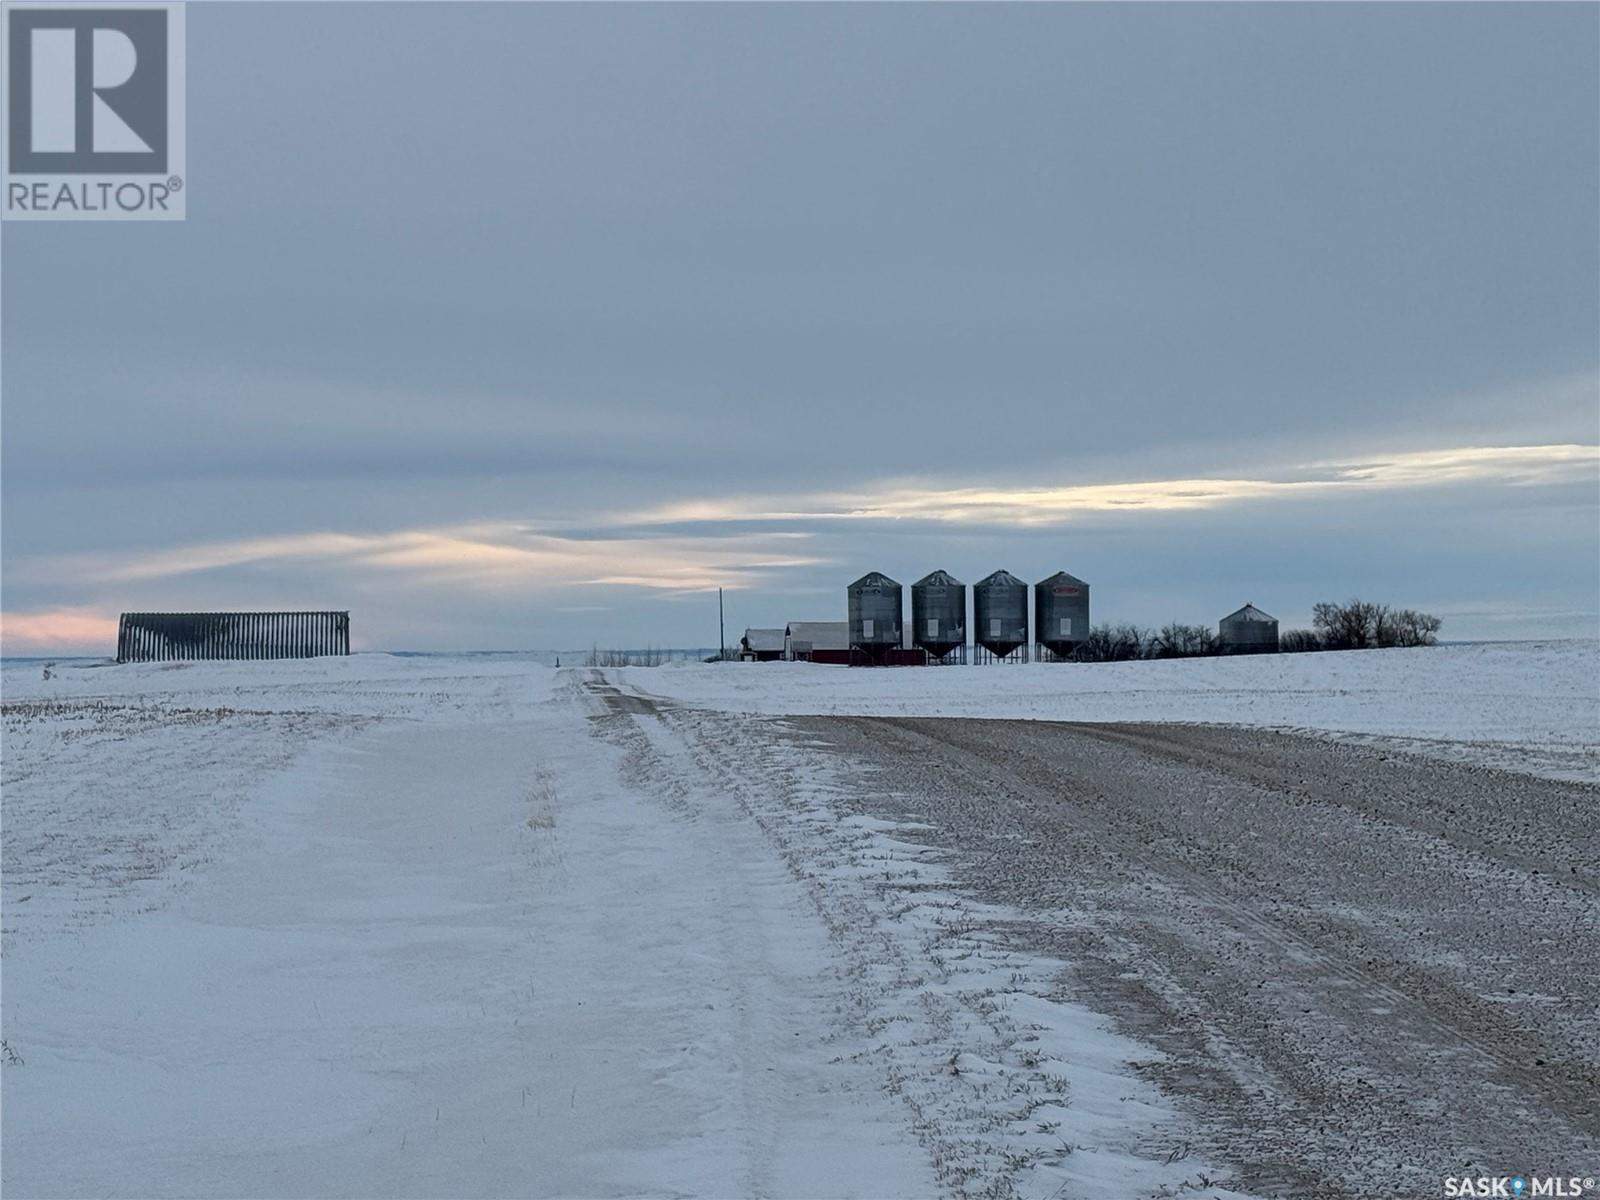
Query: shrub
{"type": "Point", "coordinates": [1183, 641]}
{"type": "Point", "coordinates": [1299, 641]}
{"type": "Point", "coordinates": [650, 657]}
{"type": "Point", "coordinates": [1114, 643]}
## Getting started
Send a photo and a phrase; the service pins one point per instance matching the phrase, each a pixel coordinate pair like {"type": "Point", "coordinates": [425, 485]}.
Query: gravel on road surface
{"type": "Point", "coordinates": [1366, 971]}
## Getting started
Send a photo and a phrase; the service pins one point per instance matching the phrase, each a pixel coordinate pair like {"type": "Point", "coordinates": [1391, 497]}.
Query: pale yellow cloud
{"type": "Point", "coordinates": [507, 556]}
{"type": "Point", "coordinates": [1044, 504]}
{"type": "Point", "coordinates": [485, 555]}
{"type": "Point", "coordinates": [1513, 465]}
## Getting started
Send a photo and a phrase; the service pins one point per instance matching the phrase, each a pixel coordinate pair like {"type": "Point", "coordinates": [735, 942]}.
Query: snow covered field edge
{"type": "Point", "coordinates": [1532, 707]}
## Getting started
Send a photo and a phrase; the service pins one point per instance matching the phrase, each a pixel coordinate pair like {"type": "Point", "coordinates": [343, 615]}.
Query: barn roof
{"type": "Point", "coordinates": [1249, 613]}
{"type": "Point", "coordinates": [763, 639]}
{"type": "Point", "coordinates": [823, 635]}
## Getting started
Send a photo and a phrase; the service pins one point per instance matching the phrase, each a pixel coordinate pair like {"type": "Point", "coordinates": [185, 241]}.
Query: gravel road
{"type": "Point", "coordinates": [1366, 971]}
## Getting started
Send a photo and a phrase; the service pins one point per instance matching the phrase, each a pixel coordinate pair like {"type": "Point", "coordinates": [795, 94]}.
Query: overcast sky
{"type": "Point", "coordinates": [525, 326]}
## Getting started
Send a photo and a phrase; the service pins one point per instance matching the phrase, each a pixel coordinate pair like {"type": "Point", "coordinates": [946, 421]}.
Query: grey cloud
{"type": "Point", "coordinates": [542, 264]}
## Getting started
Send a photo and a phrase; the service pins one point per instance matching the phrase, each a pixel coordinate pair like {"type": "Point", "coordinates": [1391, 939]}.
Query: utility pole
{"type": "Point", "coordinates": [722, 634]}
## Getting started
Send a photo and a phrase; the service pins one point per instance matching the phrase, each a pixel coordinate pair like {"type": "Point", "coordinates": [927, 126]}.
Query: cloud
{"type": "Point", "coordinates": [497, 582]}
{"type": "Point", "coordinates": [635, 549]}
{"type": "Point", "coordinates": [1520, 466]}
{"type": "Point", "coordinates": [486, 556]}
{"type": "Point", "coordinates": [1045, 505]}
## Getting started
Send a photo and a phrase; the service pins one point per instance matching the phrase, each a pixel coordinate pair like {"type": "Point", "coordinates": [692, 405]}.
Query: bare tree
{"type": "Point", "coordinates": [1407, 627]}
{"type": "Point", "coordinates": [1360, 625]}
{"type": "Point", "coordinates": [1183, 641]}
{"type": "Point", "coordinates": [1352, 625]}
{"type": "Point", "coordinates": [1115, 643]}
{"type": "Point", "coordinates": [1298, 641]}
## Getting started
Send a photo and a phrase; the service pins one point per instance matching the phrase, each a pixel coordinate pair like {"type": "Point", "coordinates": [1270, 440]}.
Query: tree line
{"type": "Point", "coordinates": [1350, 625]}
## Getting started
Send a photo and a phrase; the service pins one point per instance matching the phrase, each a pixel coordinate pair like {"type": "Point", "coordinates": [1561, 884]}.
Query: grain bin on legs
{"type": "Point", "coordinates": [1000, 615]}
{"type": "Point", "coordinates": [939, 614]}
{"type": "Point", "coordinates": [1060, 614]}
{"type": "Point", "coordinates": [875, 608]}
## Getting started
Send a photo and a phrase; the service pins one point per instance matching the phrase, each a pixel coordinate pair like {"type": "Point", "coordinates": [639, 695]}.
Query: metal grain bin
{"type": "Point", "coordinates": [1248, 631]}
{"type": "Point", "coordinates": [1000, 613]}
{"type": "Point", "coordinates": [939, 613]}
{"type": "Point", "coordinates": [1061, 613]}
{"type": "Point", "coordinates": [874, 613]}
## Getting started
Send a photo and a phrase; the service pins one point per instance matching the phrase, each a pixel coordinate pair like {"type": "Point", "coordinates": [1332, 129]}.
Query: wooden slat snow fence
{"type": "Point", "coordinates": [172, 637]}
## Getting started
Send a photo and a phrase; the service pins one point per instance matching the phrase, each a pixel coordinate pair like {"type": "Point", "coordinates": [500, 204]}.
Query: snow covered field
{"type": "Point", "coordinates": [1531, 706]}
{"type": "Point", "coordinates": [431, 927]}
{"type": "Point", "coordinates": [477, 927]}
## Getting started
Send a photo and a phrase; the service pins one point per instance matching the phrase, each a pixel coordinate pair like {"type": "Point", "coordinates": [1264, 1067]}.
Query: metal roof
{"type": "Point", "coordinates": [823, 635]}
{"type": "Point", "coordinates": [1000, 579]}
{"type": "Point", "coordinates": [1063, 578]}
{"type": "Point", "coordinates": [1249, 613]}
{"type": "Point", "coordinates": [874, 579]}
{"type": "Point", "coordinates": [938, 579]}
{"type": "Point", "coordinates": [764, 639]}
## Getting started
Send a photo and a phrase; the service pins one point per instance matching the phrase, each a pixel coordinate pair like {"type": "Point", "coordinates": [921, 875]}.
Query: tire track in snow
{"type": "Point", "coordinates": [770, 986]}
{"type": "Point", "coordinates": [1328, 974]}
{"type": "Point", "coordinates": [950, 1018]}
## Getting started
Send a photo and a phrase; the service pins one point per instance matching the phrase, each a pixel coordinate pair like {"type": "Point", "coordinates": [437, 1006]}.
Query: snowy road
{"type": "Point", "coordinates": [1358, 969]}
{"type": "Point", "coordinates": [1367, 971]}
{"type": "Point", "coordinates": [473, 927]}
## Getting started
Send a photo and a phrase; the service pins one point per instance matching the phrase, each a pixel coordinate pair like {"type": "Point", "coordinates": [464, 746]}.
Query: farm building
{"type": "Point", "coordinates": [817, 641]}
{"type": "Point", "coordinates": [1248, 631]}
{"type": "Point", "coordinates": [178, 637]}
{"type": "Point", "coordinates": [761, 645]}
